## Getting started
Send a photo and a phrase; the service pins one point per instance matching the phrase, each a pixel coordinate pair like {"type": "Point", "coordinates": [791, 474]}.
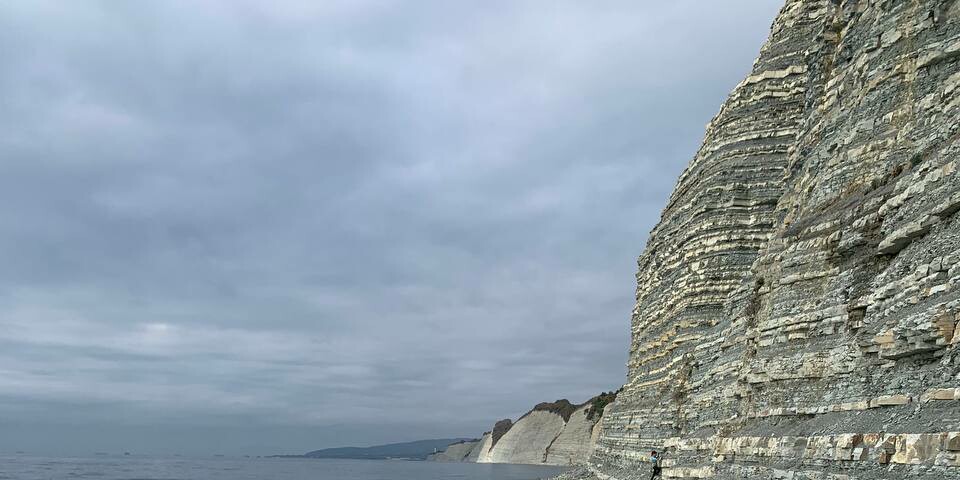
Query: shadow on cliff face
{"type": "Point", "coordinates": [499, 430]}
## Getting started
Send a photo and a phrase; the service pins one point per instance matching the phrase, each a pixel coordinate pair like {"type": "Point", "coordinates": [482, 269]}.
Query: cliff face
{"type": "Point", "coordinates": [575, 443]}
{"type": "Point", "coordinates": [557, 433]}
{"type": "Point", "coordinates": [797, 303]}
{"type": "Point", "coordinates": [474, 455]}
{"type": "Point", "coordinates": [528, 440]}
{"type": "Point", "coordinates": [458, 452]}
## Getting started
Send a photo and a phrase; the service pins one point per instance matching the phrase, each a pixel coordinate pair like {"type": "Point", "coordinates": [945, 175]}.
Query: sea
{"type": "Point", "coordinates": [137, 467]}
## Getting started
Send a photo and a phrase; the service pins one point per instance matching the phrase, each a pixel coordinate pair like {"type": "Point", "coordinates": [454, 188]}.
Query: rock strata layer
{"type": "Point", "coordinates": [798, 303]}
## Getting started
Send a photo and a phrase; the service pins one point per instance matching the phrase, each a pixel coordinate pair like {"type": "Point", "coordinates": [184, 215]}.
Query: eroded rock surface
{"type": "Point", "coordinates": [555, 433]}
{"type": "Point", "coordinates": [474, 455]}
{"type": "Point", "coordinates": [574, 445]}
{"type": "Point", "coordinates": [798, 302]}
{"type": "Point", "coordinates": [528, 440]}
{"type": "Point", "coordinates": [457, 452]}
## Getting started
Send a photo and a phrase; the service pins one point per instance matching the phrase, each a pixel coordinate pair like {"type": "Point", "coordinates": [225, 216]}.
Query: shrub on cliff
{"type": "Point", "coordinates": [561, 407]}
{"type": "Point", "coordinates": [598, 403]}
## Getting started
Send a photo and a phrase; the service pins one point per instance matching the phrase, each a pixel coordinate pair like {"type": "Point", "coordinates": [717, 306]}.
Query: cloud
{"type": "Point", "coordinates": [314, 222]}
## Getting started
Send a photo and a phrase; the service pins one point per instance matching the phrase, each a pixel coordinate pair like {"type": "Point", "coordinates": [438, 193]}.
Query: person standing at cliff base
{"type": "Point", "coordinates": [655, 460]}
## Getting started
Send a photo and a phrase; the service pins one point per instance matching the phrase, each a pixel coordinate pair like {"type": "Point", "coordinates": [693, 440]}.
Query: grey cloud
{"type": "Point", "coordinates": [318, 222]}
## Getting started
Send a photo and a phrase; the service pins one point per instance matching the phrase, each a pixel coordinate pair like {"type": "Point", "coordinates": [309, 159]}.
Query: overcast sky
{"type": "Point", "coordinates": [272, 226]}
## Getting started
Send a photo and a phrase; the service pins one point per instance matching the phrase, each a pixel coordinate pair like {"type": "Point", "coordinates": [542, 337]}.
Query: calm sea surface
{"type": "Point", "coordinates": [27, 467]}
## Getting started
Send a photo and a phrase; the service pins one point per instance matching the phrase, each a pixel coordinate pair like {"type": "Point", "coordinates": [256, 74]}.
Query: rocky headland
{"type": "Point", "coordinates": [418, 450]}
{"type": "Point", "coordinates": [554, 433]}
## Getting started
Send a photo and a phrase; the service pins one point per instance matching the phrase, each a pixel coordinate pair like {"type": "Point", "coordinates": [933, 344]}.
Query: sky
{"type": "Point", "coordinates": [257, 227]}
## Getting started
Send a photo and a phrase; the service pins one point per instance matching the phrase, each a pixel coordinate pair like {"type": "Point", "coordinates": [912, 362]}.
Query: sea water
{"type": "Point", "coordinates": [134, 467]}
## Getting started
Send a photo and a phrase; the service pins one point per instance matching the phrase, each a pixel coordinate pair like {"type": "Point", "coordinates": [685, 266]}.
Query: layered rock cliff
{"type": "Point", "coordinates": [798, 301]}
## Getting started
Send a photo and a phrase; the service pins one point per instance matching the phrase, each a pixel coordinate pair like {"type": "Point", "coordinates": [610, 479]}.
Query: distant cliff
{"type": "Point", "coordinates": [797, 304]}
{"type": "Point", "coordinates": [556, 433]}
{"type": "Point", "coordinates": [464, 451]}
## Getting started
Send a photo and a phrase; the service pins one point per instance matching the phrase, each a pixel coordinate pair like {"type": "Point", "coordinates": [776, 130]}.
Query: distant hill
{"type": "Point", "coordinates": [418, 450]}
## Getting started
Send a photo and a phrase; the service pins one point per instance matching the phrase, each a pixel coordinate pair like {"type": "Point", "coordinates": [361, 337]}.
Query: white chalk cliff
{"type": "Point", "coordinates": [557, 433]}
